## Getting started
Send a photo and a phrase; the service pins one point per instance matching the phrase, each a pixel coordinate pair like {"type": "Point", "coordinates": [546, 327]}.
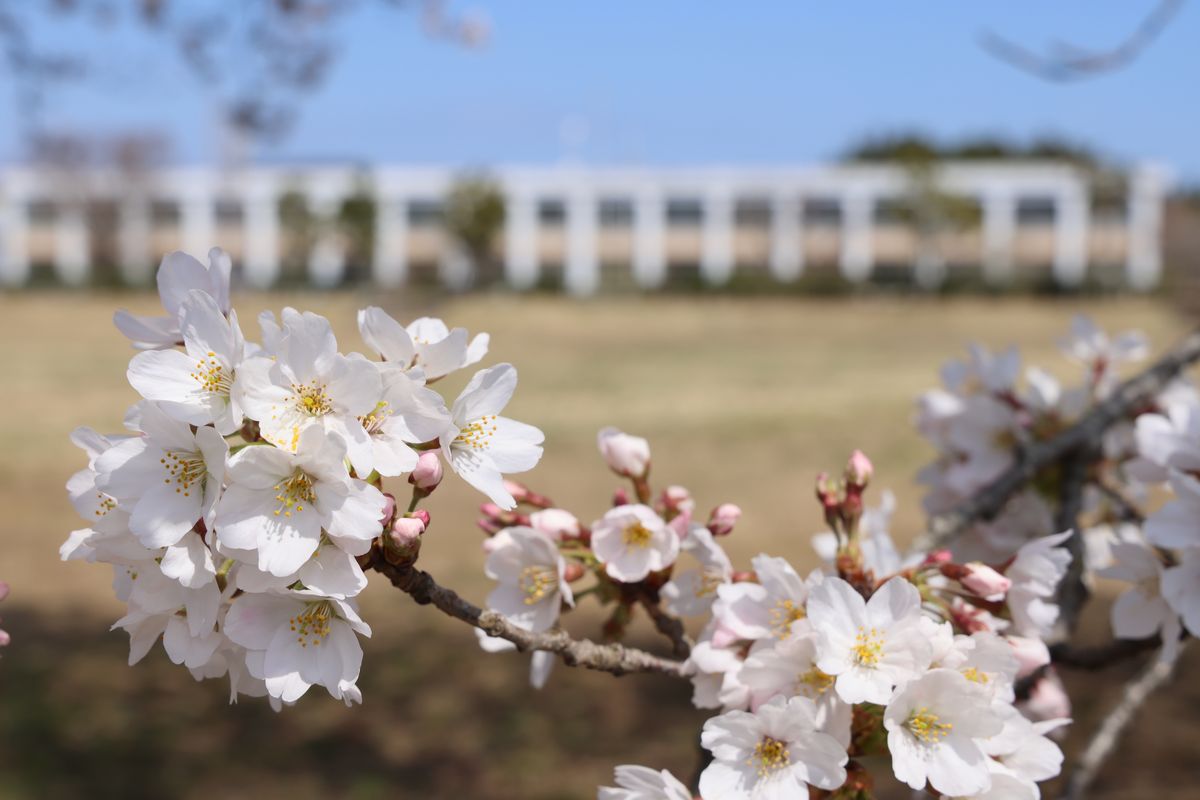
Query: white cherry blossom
{"type": "Point", "coordinates": [480, 445]}
{"type": "Point", "coordinates": [196, 385]}
{"type": "Point", "coordinates": [935, 725]}
{"type": "Point", "coordinates": [532, 588]}
{"type": "Point", "coordinates": [774, 606]}
{"type": "Point", "coordinates": [178, 275]}
{"type": "Point", "coordinates": [1141, 611]}
{"type": "Point", "coordinates": [632, 541]}
{"type": "Point", "coordinates": [869, 646]}
{"type": "Point", "coordinates": [1035, 574]}
{"type": "Point", "coordinates": [693, 592]}
{"type": "Point", "coordinates": [278, 503]}
{"type": "Point", "coordinates": [643, 783]}
{"type": "Point", "coordinates": [774, 753]}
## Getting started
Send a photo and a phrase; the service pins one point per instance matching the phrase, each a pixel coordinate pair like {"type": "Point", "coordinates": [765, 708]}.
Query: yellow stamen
{"type": "Point", "coordinates": [637, 536]}
{"type": "Point", "coordinates": [536, 582]}
{"type": "Point", "coordinates": [770, 755]}
{"type": "Point", "coordinates": [927, 727]}
{"type": "Point", "coordinates": [868, 646]}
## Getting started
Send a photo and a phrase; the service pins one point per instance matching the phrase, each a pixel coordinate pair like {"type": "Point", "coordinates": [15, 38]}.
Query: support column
{"type": "Point", "coordinates": [72, 243]}
{"type": "Point", "coordinates": [1071, 213]}
{"type": "Point", "coordinates": [521, 240]}
{"type": "Point", "coordinates": [260, 227]}
{"type": "Point", "coordinates": [14, 240]}
{"type": "Point", "coordinates": [390, 267]}
{"type": "Point", "coordinates": [716, 242]}
{"type": "Point", "coordinates": [198, 220]}
{"type": "Point", "coordinates": [134, 241]}
{"type": "Point", "coordinates": [999, 235]}
{"type": "Point", "coordinates": [581, 275]}
{"type": "Point", "coordinates": [858, 230]}
{"type": "Point", "coordinates": [327, 261]}
{"type": "Point", "coordinates": [649, 239]}
{"type": "Point", "coordinates": [787, 242]}
{"type": "Point", "coordinates": [1144, 225]}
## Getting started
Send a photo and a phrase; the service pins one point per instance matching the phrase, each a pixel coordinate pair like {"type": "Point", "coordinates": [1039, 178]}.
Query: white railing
{"type": "Point", "coordinates": [1067, 243]}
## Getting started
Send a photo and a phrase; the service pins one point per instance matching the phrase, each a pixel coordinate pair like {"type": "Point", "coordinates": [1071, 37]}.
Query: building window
{"type": "Point", "coordinates": [229, 212]}
{"type": "Point", "coordinates": [552, 213]}
{"type": "Point", "coordinates": [752, 212]}
{"type": "Point", "coordinates": [1035, 211]}
{"type": "Point", "coordinates": [424, 213]}
{"type": "Point", "coordinates": [684, 212]}
{"type": "Point", "coordinates": [820, 211]}
{"type": "Point", "coordinates": [616, 213]}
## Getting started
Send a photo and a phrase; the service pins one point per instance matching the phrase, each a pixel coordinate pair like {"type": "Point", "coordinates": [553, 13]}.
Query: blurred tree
{"type": "Point", "coordinates": [474, 216]}
{"type": "Point", "coordinates": [258, 56]}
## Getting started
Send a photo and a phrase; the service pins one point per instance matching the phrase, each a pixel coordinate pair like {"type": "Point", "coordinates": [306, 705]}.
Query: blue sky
{"type": "Point", "coordinates": [678, 82]}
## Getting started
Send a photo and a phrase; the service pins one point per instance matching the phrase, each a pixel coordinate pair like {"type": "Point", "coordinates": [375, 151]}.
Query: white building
{"type": "Point", "coordinates": [582, 223]}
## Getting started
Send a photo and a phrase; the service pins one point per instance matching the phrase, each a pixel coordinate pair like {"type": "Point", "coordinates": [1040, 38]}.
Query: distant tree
{"type": "Point", "coordinates": [474, 216]}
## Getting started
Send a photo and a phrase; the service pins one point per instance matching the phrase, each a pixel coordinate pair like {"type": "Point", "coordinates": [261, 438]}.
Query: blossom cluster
{"type": "Point", "coordinates": [237, 505]}
{"type": "Point", "coordinates": [870, 654]}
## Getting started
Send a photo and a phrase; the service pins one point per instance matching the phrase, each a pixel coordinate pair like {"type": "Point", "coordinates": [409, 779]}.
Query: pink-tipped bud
{"type": "Point", "coordinates": [489, 526]}
{"type": "Point", "coordinates": [557, 523]}
{"type": "Point", "coordinates": [523, 494]}
{"type": "Point", "coordinates": [422, 515]}
{"type": "Point", "coordinates": [827, 492]}
{"type": "Point", "coordinates": [4, 588]}
{"type": "Point", "coordinates": [620, 497]}
{"type": "Point", "coordinates": [723, 518]}
{"type": "Point", "coordinates": [389, 509]}
{"type": "Point", "coordinates": [676, 500]}
{"type": "Point", "coordinates": [428, 472]}
{"type": "Point", "coordinates": [1047, 700]}
{"type": "Point", "coordinates": [859, 470]}
{"type": "Point", "coordinates": [573, 572]}
{"type": "Point", "coordinates": [628, 456]}
{"type": "Point", "coordinates": [938, 557]}
{"type": "Point", "coordinates": [491, 511]}
{"type": "Point", "coordinates": [744, 576]}
{"type": "Point", "coordinates": [403, 541]}
{"type": "Point", "coordinates": [983, 581]}
{"type": "Point", "coordinates": [1032, 654]}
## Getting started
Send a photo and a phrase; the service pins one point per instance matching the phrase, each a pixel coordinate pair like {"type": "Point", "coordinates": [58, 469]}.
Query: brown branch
{"type": "Point", "coordinates": [670, 627]}
{"type": "Point", "coordinates": [1072, 589]}
{"type": "Point", "coordinates": [1132, 395]}
{"type": "Point", "coordinates": [1101, 656]}
{"type": "Point", "coordinates": [1074, 63]}
{"type": "Point", "coordinates": [1107, 736]}
{"type": "Point", "coordinates": [613, 658]}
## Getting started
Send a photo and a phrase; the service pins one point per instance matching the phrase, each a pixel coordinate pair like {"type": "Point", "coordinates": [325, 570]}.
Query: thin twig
{"type": "Point", "coordinates": [1072, 589]}
{"type": "Point", "coordinates": [1127, 509]}
{"type": "Point", "coordinates": [1101, 656]}
{"type": "Point", "coordinates": [613, 658]}
{"type": "Point", "coordinates": [1073, 63]}
{"type": "Point", "coordinates": [1134, 394]}
{"type": "Point", "coordinates": [1106, 737]}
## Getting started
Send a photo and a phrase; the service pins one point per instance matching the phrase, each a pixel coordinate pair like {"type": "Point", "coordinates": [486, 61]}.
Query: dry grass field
{"type": "Point", "coordinates": [744, 400]}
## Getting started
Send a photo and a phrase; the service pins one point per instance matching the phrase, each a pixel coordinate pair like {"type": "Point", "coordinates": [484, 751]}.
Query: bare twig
{"type": "Point", "coordinates": [669, 626]}
{"type": "Point", "coordinates": [1132, 395]}
{"type": "Point", "coordinates": [1070, 62]}
{"type": "Point", "coordinates": [1106, 737]}
{"type": "Point", "coordinates": [1072, 590]}
{"type": "Point", "coordinates": [1127, 509]}
{"type": "Point", "coordinates": [1102, 656]}
{"type": "Point", "coordinates": [614, 658]}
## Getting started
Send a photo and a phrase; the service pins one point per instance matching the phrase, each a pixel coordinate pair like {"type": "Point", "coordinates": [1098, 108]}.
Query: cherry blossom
{"type": "Point", "coordinates": [632, 541]}
{"type": "Point", "coordinates": [643, 783]}
{"type": "Point", "coordinates": [178, 275]}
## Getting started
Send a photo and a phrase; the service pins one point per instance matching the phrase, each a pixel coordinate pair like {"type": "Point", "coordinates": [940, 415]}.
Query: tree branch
{"type": "Point", "coordinates": [1133, 394]}
{"type": "Point", "coordinates": [1072, 590]}
{"type": "Point", "coordinates": [1073, 63]}
{"type": "Point", "coordinates": [670, 627]}
{"type": "Point", "coordinates": [613, 658]}
{"type": "Point", "coordinates": [1106, 737]}
{"type": "Point", "coordinates": [1102, 656]}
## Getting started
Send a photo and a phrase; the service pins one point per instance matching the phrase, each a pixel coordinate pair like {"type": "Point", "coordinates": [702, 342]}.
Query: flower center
{"type": "Point", "coordinates": [293, 493]}
{"type": "Point", "coordinates": [974, 675]}
{"type": "Point", "coordinates": [311, 625]}
{"type": "Point", "coordinates": [312, 399]}
{"type": "Point", "coordinates": [770, 756]}
{"type": "Point", "coordinates": [536, 582]}
{"type": "Point", "coordinates": [379, 415]}
{"type": "Point", "coordinates": [927, 727]}
{"type": "Point", "coordinates": [814, 683]}
{"type": "Point", "coordinates": [210, 373]}
{"type": "Point", "coordinates": [476, 434]}
{"type": "Point", "coordinates": [868, 646]}
{"type": "Point", "coordinates": [711, 579]}
{"type": "Point", "coordinates": [636, 536]}
{"type": "Point", "coordinates": [183, 470]}
{"type": "Point", "coordinates": [783, 615]}
{"type": "Point", "coordinates": [104, 504]}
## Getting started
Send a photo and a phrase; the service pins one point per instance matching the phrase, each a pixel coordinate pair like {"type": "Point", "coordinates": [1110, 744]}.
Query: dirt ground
{"type": "Point", "coordinates": [744, 400]}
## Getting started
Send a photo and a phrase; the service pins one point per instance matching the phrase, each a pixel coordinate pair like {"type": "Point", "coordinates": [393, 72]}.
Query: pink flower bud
{"type": "Point", "coordinates": [3, 589]}
{"type": "Point", "coordinates": [489, 526]}
{"type": "Point", "coordinates": [403, 541]}
{"type": "Point", "coordinates": [573, 572]}
{"type": "Point", "coordinates": [422, 515]}
{"type": "Point", "coordinates": [723, 518]}
{"type": "Point", "coordinates": [677, 500]}
{"type": "Point", "coordinates": [557, 523]}
{"type": "Point", "coordinates": [491, 510]}
{"type": "Point", "coordinates": [389, 509]}
{"type": "Point", "coordinates": [1032, 654]}
{"type": "Point", "coordinates": [985, 582]}
{"type": "Point", "coordinates": [859, 470]}
{"type": "Point", "coordinates": [628, 456]}
{"type": "Point", "coordinates": [428, 472]}
{"type": "Point", "coordinates": [1047, 700]}
{"type": "Point", "coordinates": [620, 497]}
{"type": "Point", "coordinates": [938, 557]}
